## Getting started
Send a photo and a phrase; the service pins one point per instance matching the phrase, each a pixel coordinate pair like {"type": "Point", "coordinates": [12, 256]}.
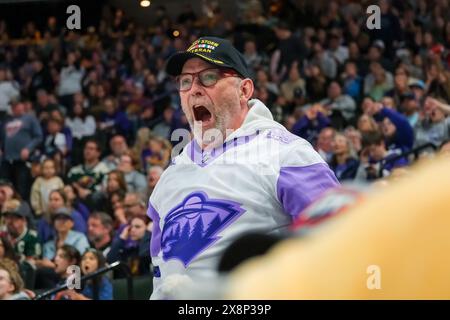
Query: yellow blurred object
{"type": "Point", "coordinates": [403, 231]}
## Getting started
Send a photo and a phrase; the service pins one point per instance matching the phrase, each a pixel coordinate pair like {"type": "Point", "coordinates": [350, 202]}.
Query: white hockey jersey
{"type": "Point", "coordinates": [260, 179]}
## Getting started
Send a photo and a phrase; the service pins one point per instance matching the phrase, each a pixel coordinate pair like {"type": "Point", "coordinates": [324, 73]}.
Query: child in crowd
{"type": "Point", "coordinates": [43, 185]}
{"type": "Point", "coordinates": [98, 288]}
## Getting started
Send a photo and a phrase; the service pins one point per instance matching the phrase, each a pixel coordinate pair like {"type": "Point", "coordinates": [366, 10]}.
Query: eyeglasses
{"type": "Point", "coordinates": [207, 77]}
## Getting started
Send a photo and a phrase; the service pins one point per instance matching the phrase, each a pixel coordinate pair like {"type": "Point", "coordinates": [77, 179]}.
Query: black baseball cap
{"type": "Point", "coordinates": [62, 213]}
{"type": "Point", "coordinates": [15, 208]}
{"type": "Point", "coordinates": [217, 51]}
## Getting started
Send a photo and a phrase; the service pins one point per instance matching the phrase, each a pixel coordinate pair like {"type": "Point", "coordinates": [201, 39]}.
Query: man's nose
{"type": "Point", "coordinates": [197, 88]}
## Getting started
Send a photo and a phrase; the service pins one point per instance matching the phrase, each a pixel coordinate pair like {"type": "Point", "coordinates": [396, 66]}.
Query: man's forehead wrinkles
{"type": "Point", "coordinates": [195, 64]}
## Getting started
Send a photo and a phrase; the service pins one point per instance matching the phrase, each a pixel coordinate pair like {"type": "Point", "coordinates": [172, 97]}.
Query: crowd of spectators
{"type": "Point", "coordinates": [86, 117]}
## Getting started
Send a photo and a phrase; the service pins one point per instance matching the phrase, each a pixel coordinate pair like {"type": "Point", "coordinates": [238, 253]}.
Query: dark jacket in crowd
{"type": "Point", "coordinates": [404, 135]}
{"type": "Point", "coordinates": [18, 133]}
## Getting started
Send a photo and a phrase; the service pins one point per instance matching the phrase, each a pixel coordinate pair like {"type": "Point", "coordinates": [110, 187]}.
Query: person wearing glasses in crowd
{"type": "Point", "coordinates": [242, 172]}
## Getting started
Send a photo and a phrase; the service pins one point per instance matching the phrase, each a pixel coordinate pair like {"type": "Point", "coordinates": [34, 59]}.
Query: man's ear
{"type": "Point", "coordinates": [246, 90]}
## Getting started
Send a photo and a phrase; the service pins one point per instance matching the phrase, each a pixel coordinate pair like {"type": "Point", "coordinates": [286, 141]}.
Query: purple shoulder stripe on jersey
{"type": "Point", "coordinates": [297, 187]}
{"type": "Point", "coordinates": [197, 155]}
{"type": "Point", "coordinates": [155, 243]}
{"type": "Point", "coordinates": [282, 135]}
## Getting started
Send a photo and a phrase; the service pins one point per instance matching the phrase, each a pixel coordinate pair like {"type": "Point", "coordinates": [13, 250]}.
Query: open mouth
{"type": "Point", "coordinates": [202, 114]}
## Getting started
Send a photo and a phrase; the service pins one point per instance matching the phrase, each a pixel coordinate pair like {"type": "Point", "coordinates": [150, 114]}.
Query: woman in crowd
{"type": "Point", "coordinates": [98, 288]}
{"type": "Point", "coordinates": [7, 250]}
{"type": "Point", "coordinates": [82, 126]}
{"type": "Point", "coordinates": [137, 256]}
{"type": "Point", "coordinates": [344, 163]}
{"type": "Point", "coordinates": [56, 273]}
{"type": "Point", "coordinates": [11, 283]}
{"type": "Point", "coordinates": [63, 224]}
{"type": "Point", "coordinates": [57, 201]}
{"type": "Point", "coordinates": [116, 186]}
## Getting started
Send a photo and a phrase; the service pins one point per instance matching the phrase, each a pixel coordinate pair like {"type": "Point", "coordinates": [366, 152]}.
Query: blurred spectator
{"type": "Point", "coordinates": [9, 91]}
{"type": "Point", "coordinates": [324, 145]}
{"type": "Point", "coordinates": [63, 223]}
{"type": "Point", "coordinates": [134, 205]}
{"type": "Point", "coordinates": [376, 160]}
{"type": "Point", "coordinates": [87, 177]}
{"type": "Point", "coordinates": [401, 87]}
{"type": "Point", "coordinates": [315, 83]}
{"type": "Point", "coordinates": [343, 162]}
{"type": "Point", "coordinates": [352, 81]}
{"type": "Point", "coordinates": [339, 104]}
{"type": "Point", "coordinates": [156, 154]}
{"type": "Point", "coordinates": [355, 138]}
{"type": "Point", "coordinates": [138, 102]}
{"type": "Point", "coordinates": [293, 82]}
{"type": "Point", "coordinates": [113, 121]}
{"type": "Point", "coordinates": [336, 50]}
{"type": "Point", "coordinates": [100, 228]}
{"type": "Point", "coordinates": [8, 192]}
{"type": "Point", "coordinates": [6, 249]}
{"type": "Point", "coordinates": [73, 201]}
{"type": "Point", "coordinates": [377, 81]}
{"type": "Point", "coordinates": [309, 126]}
{"type": "Point", "coordinates": [367, 124]}
{"type": "Point", "coordinates": [44, 106]}
{"type": "Point", "coordinates": [438, 81]}
{"type": "Point", "coordinates": [164, 124]}
{"type": "Point", "coordinates": [19, 137]}
{"type": "Point", "coordinates": [11, 283]}
{"type": "Point", "coordinates": [262, 81]}
{"type": "Point", "coordinates": [395, 127]}
{"type": "Point", "coordinates": [138, 256]}
{"type": "Point", "coordinates": [135, 180]}
{"type": "Point", "coordinates": [418, 88]}
{"type": "Point", "coordinates": [327, 64]}
{"type": "Point", "coordinates": [55, 143]}
{"type": "Point", "coordinates": [410, 108]}
{"type": "Point", "coordinates": [98, 288]}
{"type": "Point", "coordinates": [24, 240]}
{"type": "Point", "coordinates": [58, 201]}
{"type": "Point", "coordinates": [376, 53]}
{"type": "Point", "coordinates": [41, 79]}
{"type": "Point", "coordinates": [103, 200]}
{"type": "Point", "coordinates": [52, 273]}
{"type": "Point", "coordinates": [435, 126]}
{"type": "Point", "coordinates": [251, 55]}
{"type": "Point", "coordinates": [82, 126]}
{"type": "Point", "coordinates": [119, 147]}
{"type": "Point", "coordinates": [153, 175]}
{"type": "Point", "coordinates": [389, 102]}
{"type": "Point", "coordinates": [70, 79]}
{"type": "Point", "coordinates": [43, 185]}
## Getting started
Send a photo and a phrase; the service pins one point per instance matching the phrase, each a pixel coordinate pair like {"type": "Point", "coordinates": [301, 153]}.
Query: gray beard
{"type": "Point", "coordinates": [219, 125]}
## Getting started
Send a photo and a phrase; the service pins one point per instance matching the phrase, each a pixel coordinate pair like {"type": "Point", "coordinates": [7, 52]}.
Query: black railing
{"type": "Point", "coordinates": [416, 152]}
{"type": "Point", "coordinates": [99, 272]}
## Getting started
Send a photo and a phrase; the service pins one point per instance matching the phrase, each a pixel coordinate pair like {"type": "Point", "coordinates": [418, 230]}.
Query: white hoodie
{"type": "Point", "coordinates": [258, 181]}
